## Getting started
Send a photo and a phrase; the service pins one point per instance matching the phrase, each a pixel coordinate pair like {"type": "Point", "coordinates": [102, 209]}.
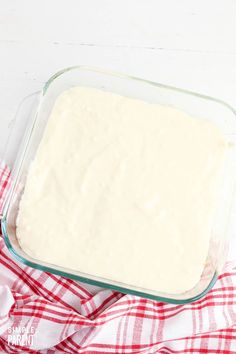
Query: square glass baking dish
{"type": "Point", "coordinates": [31, 119]}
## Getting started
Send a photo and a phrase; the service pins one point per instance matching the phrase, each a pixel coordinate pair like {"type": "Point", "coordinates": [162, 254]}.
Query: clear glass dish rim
{"type": "Point", "coordinates": [25, 142]}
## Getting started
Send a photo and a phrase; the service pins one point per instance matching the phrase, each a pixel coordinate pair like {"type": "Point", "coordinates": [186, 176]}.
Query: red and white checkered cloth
{"type": "Point", "coordinates": [65, 316]}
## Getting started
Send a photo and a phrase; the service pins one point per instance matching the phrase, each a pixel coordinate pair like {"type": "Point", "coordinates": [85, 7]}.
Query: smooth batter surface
{"type": "Point", "coordinates": [124, 190]}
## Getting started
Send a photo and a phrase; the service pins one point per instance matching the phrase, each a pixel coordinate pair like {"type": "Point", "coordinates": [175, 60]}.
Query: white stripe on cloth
{"type": "Point", "coordinates": [70, 317]}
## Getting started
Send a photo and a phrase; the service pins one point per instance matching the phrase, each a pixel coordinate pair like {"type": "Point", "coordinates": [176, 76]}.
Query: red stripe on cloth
{"type": "Point", "coordinates": [162, 317]}
{"type": "Point", "coordinates": [146, 346]}
{"type": "Point", "coordinates": [111, 322]}
{"type": "Point", "coordinates": [118, 334]}
{"type": "Point", "coordinates": [71, 285]}
{"type": "Point", "coordinates": [35, 285]}
{"type": "Point", "coordinates": [69, 345]}
{"type": "Point", "coordinates": [14, 271]}
{"type": "Point", "coordinates": [227, 274]}
{"type": "Point", "coordinates": [63, 347]}
{"type": "Point", "coordinates": [73, 321]}
{"type": "Point", "coordinates": [160, 329]}
{"type": "Point", "coordinates": [40, 307]}
{"type": "Point", "coordinates": [16, 348]}
{"type": "Point", "coordinates": [85, 338]}
{"type": "Point", "coordinates": [166, 350]}
{"type": "Point", "coordinates": [138, 324]}
{"type": "Point", "coordinates": [173, 309]}
{"type": "Point", "coordinates": [126, 326]}
{"type": "Point", "coordinates": [103, 305]}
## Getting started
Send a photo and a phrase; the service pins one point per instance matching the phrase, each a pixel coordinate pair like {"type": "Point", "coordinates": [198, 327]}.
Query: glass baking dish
{"type": "Point", "coordinates": [32, 118]}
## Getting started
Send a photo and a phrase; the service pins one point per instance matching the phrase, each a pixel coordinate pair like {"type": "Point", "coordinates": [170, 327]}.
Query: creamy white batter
{"type": "Point", "coordinates": [124, 190]}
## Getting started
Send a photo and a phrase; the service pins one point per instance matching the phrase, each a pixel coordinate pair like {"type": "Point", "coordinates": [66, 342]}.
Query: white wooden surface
{"type": "Point", "coordinates": [186, 43]}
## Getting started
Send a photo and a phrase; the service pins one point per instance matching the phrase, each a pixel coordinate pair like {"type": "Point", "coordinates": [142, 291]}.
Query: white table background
{"type": "Point", "coordinates": [185, 43]}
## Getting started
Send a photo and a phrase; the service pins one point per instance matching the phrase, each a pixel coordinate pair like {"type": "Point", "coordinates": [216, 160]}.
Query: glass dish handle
{"type": "Point", "coordinates": [22, 125]}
